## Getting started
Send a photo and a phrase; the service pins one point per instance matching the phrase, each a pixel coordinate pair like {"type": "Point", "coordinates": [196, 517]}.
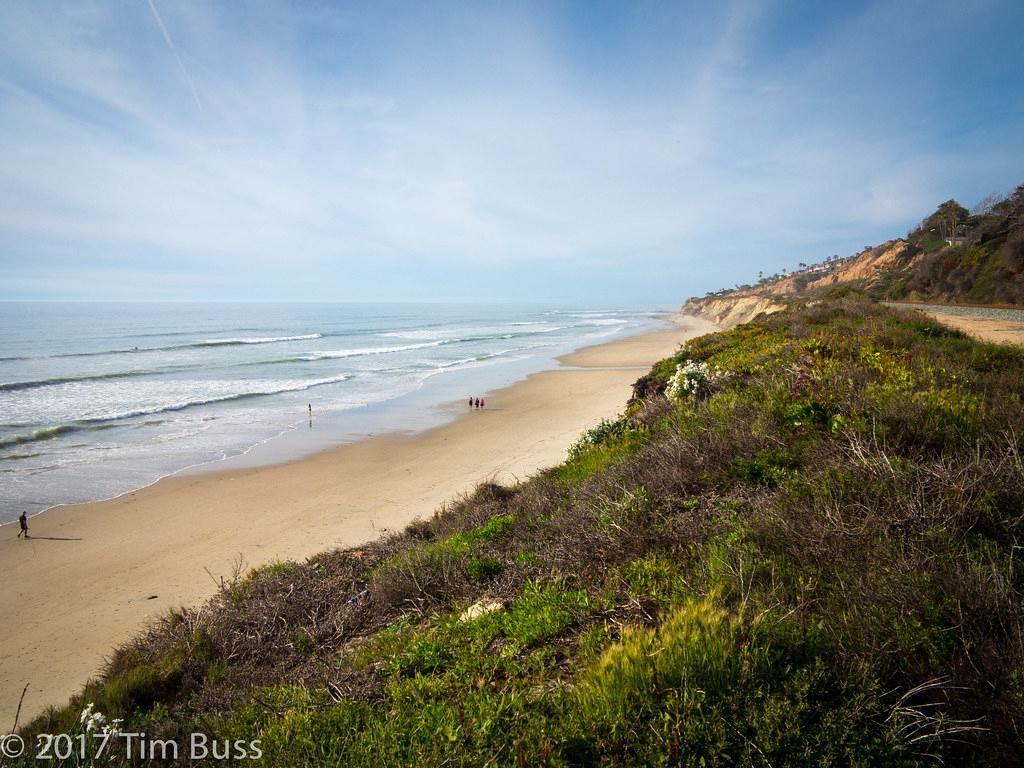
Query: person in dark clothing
{"type": "Point", "coordinates": [471, 402]}
{"type": "Point", "coordinates": [23, 522]}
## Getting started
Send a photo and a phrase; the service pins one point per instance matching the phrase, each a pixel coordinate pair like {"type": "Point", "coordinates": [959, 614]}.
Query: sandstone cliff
{"type": "Point", "coordinates": [731, 310]}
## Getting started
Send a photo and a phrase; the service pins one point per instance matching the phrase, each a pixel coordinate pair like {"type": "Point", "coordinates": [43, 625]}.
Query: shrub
{"type": "Point", "coordinates": [815, 565]}
{"type": "Point", "coordinates": [692, 379]}
{"type": "Point", "coordinates": [484, 568]}
{"type": "Point", "coordinates": [703, 688]}
{"type": "Point", "coordinates": [606, 431]}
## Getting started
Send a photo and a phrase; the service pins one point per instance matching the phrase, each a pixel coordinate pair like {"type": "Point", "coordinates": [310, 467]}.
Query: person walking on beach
{"type": "Point", "coordinates": [481, 402]}
{"type": "Point", "coordinates": [471, 402]}
{"type": "Point", "coordinates": [478, 402]}
{"type": "Point", "coordinates": [23, 522]}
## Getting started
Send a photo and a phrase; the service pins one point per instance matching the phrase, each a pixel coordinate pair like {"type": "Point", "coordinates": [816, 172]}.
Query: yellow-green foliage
{"type": "Point", "coordinates": [656, 577]}
{"type": "Point", "coordinates": [592, 455]}
{"type": "Point", "coordinates": [697, 645]}
{"type": "Point", "coordinates": [450, 551]}
{"type": "Point", "coordinates": [763, 576]}
{"type": "Point", "coordinates": [746, 349]}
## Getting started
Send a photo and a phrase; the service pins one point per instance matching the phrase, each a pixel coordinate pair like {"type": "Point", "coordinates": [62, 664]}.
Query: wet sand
{"type": "Point", "coordinates": [93, 575]}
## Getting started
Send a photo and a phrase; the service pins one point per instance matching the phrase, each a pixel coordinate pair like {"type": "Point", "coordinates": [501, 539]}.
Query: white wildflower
{"type": "Point", "coordinates": [92, 720]}
{"type": "Point", "coordinates": [691, 379]}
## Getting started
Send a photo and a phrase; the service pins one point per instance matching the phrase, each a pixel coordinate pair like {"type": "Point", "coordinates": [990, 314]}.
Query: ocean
{"type": "Point", "coordinates": [98, 399]}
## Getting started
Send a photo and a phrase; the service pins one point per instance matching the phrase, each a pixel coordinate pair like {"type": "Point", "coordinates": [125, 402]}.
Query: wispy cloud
{"type": "Point", "coordinates": [174, 51]}
{"type": "Point", "coordinates": [362, 154]}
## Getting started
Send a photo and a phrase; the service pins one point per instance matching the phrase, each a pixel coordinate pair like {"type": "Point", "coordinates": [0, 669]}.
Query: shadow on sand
{"type": "Point", "coordinates": [50, 538]}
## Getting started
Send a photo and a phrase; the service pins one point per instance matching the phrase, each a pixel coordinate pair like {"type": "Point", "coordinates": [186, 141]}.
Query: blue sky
{"type": "Point", "coordinates": [591, 152]}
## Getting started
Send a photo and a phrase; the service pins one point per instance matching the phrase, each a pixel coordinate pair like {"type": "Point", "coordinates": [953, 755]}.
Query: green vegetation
{"type": "Point", "coordinates": [955, 256]}
{"type": "Point", "coordinates": [812, 561]}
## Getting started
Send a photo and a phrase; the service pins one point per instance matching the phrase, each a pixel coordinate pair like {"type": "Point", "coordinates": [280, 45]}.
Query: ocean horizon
{"type": "Point", "coordinates": [100, 399]}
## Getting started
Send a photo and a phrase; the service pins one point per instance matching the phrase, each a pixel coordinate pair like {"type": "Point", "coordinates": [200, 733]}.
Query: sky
{"type": "Point", "coordinates": [592, 152]}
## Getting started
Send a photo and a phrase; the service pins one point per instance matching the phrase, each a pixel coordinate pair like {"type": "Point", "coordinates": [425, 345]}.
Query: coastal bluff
{"type": "Point", "coordinates": [731, 310]}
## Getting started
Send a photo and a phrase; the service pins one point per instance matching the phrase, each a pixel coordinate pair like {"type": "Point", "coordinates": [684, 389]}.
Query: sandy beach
{"type": "Point", "coordinates": [92, 575]}
{"type": "Point", "coordinates": [998, 331]}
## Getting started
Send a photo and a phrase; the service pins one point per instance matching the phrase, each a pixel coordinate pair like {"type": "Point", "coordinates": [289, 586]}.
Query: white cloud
{"type": "Point", "coordinates": [328, 139]}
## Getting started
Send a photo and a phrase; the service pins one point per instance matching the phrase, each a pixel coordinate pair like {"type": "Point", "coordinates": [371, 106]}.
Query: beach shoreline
{"type": "Point", "coordinates": [95, 574]}
{"type": "Point", "coordinates": [413, 411]}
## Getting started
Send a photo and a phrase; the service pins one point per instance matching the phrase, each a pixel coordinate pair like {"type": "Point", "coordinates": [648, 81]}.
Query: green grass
{"type": "Point", "coordinates": [606, 444]}
{"type": "Point", "coordinates": [817, 563]}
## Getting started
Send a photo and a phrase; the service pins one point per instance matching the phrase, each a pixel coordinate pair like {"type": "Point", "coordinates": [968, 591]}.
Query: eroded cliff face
{"type": "Point", "coordinates": [741, 306]}
{"type": "Point", "coordinates": [982, 263]}
{"type": "Point", "coordinates": [893, 255]}
{"type": "Point", "coordinates": [732, 309]}
{"type": "Point", "coordinates": [867, 265]}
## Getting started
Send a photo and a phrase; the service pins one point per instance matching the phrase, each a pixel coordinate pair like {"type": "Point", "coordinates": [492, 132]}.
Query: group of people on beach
{"type": "Point", "coordinates": [476, 402]}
